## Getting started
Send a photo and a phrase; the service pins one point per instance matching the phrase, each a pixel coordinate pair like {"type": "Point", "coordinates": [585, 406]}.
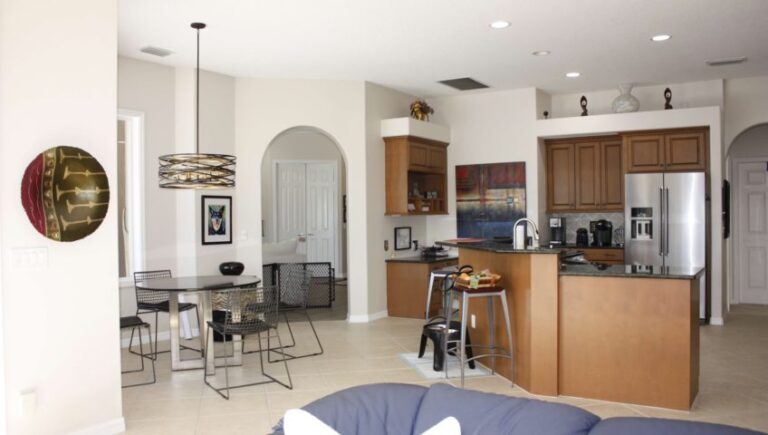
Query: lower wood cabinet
{"type": "Point", "coordinates": [604, 255]}
{"type": "Point", "coordinates": [407, 287]}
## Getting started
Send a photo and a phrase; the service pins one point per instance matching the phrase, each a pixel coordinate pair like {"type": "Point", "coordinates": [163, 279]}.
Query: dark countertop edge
{"type": "Point", "coordinates": [501, 248]}
{"type": "Point", "coordinates": [422, 260]}
{"type": "Point", "coordinates": [573, 246]}
{"type": "Point", "coordinates": [620, 274]}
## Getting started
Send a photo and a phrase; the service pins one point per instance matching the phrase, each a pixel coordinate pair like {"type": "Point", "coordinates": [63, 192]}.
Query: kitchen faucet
{"type": "Point", "coordinates": [519, 242]}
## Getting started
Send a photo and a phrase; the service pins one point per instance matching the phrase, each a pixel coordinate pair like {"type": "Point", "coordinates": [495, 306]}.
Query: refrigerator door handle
{"type": "Point", "coordinates": [662, 226]}
{"type": "Point", "coordinates": [666, 221]}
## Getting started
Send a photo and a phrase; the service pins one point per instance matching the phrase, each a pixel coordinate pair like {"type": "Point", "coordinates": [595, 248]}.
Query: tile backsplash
{"type": "Point", "coordinates": [574, 221]}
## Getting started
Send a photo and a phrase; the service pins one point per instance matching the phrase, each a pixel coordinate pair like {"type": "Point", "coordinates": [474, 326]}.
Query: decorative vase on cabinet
{"type": "Point", "coordinates": [625, 102]}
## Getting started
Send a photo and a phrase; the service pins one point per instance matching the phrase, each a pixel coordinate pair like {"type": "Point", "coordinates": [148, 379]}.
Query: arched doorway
{"type": "Point", "coordinates": [303, 195]}
{"type": "Point", "coordinates": [748, 156]}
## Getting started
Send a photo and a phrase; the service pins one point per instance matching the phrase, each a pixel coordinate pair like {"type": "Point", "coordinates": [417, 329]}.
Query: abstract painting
{"type": "Point", "coordinates": [489, 199]}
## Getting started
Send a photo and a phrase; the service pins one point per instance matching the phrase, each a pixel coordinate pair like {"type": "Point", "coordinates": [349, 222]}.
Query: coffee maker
{"type": "Point", "coordinates": [557, 231]}
{"type": "Point", "coordinates": [602, 232]}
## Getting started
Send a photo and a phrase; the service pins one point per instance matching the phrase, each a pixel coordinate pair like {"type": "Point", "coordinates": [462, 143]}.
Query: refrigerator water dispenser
{"type": "Point", "coordinates": [641, 220]}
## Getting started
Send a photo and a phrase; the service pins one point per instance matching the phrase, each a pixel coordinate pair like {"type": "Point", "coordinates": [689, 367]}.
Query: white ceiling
{"type": "Point", "coordinates": [411, 44]}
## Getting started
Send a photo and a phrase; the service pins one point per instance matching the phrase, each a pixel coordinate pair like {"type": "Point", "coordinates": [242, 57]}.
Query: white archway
{"type": "Point", "coordinates": [306, 144]}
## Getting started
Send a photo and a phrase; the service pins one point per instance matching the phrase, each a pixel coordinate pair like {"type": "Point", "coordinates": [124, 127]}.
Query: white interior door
{"type": "Point", "coordinates": [322, 210]}
{"type": "Point", "coordinates": [307, 207]}
{"type": "Point", "coordinates": [752, 233]}
{"type": "Point", "coordinates": [291, 200]}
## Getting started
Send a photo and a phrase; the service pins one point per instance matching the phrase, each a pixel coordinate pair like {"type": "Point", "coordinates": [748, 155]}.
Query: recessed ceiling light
{"type": "Point", "coordinates": [541, 53]}
{"type": "Point", "coordinates": [572, 74]}
{"type": "Point", "coordinates": [660, 38]}
{"type": "Point", "coordinates": [499, 24]}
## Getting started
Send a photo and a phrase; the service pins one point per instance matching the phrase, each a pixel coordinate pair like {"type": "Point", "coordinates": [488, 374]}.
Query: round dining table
{"type": "Point", "coordinates": [202, 286]}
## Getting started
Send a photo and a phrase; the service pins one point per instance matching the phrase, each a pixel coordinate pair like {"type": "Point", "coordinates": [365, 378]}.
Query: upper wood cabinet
{"type": "Point", "coordinates": [585, 174]}
{"type": "Point", "coordinates": [415, 176]}
{"type": "Point", "coordinates": [561, 194]}
{"type": "Point", "coordinates": [670, 150]}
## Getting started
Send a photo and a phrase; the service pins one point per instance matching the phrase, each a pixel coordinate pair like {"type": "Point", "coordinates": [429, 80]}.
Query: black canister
{"type": "Point", "coordinates": [582, 237]}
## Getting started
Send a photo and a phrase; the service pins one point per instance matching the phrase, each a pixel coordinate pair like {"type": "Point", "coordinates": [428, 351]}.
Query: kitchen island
{"type": "Point", "coordinates": [615, 332]}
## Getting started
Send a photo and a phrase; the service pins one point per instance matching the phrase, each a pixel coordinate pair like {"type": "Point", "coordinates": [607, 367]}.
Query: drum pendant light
{"type": "Point", "coordinates": [196, 170]}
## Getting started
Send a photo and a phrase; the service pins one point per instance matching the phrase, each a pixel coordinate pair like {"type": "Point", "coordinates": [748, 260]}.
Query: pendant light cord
{"type": "Point", "coordinates": [197, 96]}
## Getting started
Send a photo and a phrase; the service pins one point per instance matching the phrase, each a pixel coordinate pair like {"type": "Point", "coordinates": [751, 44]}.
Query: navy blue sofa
{"type": "Point", "coordinates": [395, 409]}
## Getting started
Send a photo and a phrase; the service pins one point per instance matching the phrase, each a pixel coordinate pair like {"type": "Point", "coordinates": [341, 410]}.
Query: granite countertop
{"type": "Point", "coordinates": [491, 246]}
{"type": "Point", "coordinates": [421, 259]}
{"type": "Point", "coordinates": [630, 271]}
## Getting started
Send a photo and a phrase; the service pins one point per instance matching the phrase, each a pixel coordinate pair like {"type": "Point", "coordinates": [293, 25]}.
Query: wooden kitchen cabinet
{"type": "Point", "coordinates": [407, 281]}
{"type": "Point", "coordinates": [561, 194]}
{"type": "Point", "coordinates": [604, 255]}
{"type": "Point", "coordinates": [585, 174]}
{"type": "Point", "coordinates": [668, 150]}
{"type": "Point", "coordinates": [415, 163]}
{"type": "Point", "coordinates": [685, 151]}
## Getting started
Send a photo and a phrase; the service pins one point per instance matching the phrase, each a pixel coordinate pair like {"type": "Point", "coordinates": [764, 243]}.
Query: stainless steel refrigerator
{"type": "Point", "coordinates": [665, 222]}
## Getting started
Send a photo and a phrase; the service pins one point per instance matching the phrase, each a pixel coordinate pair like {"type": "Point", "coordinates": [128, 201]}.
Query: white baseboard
{"type": "Point", "coordinates": [111, 427]}
{"type": "Point", "coordinates": [161, 336]}
{"type": "Point", "coordinates": [365, 318]}
{"type": "Point", "coordinates": [716, 321]}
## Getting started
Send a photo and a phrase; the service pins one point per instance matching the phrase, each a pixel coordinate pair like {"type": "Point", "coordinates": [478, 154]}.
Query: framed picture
{"type": "Point", "coordinates": [217, 220]}
{"type": "Point", "coordinates": [402, 238]}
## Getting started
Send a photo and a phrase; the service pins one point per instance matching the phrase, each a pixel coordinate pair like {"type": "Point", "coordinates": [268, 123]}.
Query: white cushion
{"type": "Point", "coordinates": [448, 426]}
{"type": "Point", "coordinates": [300, 422]}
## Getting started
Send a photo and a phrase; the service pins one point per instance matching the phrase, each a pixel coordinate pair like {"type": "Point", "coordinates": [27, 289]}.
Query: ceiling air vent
{"type": "Point", "coordinates": [727, 61]}
{"type": "Point", "coordinates": [463, 84]}
{"type": "Point", "coordinates": [155, 51]}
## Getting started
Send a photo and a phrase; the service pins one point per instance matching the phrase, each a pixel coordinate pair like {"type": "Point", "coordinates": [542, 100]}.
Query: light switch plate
{"type": "Point", "coordinates": [35, 259]}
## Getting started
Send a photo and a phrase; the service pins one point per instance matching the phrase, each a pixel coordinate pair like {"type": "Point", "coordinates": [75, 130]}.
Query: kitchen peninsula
{"type": "Point", "coordinates": [615, 332]}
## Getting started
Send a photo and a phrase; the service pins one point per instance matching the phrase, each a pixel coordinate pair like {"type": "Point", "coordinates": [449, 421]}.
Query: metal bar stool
{"type": "Point", "coordinates": [442, 274]}
{"type": "Point", "coordinates": [442, 328]}
{"type": "Point", "coordinates": [489, 293]}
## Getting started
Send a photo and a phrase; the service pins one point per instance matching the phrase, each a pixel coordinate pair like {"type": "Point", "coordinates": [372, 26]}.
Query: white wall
{"type": "Point", "coordinates": [684, 95]}
{"type": "Point", "coordinates": [266, 108]}
{"type": "Point", "coordinates": [488, 128]}
{"type": "Point", "coordinates": [150, 88]}
{"type": "Point", "coordinates": [302, 144]}
{"type": "Point", "coordinates": [166, 97]}
{"type": "Point", "coordinates": [753, 142]}
{"type": "Point", "coordinates": [383, 103]}
{"type": "Point", "coordinates": [59, 87]}
{"type": "Point", "coordinates": [746, 105]}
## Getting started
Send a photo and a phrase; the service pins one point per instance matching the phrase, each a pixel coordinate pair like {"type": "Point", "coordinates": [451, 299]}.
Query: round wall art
{"type": "Point", "coordinates": [65, 193]}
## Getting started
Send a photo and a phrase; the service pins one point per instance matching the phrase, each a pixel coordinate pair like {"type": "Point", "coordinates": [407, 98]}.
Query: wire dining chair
{"type": "Point", "coordinates": [150, 301]}
{"type": "Point", "coordinates": [247, 312]}
{"type": "Point", "coordinates": [294, 281]}
{"type": "Point", "coordinates": [135, 322]}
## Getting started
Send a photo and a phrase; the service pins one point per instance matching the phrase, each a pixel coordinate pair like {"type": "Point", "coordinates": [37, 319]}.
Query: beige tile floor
{"type": "Point", "coordinates": [733, 387]}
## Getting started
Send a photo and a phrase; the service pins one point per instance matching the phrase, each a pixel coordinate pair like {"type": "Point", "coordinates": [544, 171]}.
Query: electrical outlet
{"type": "Point", "coordinates": [473, 321]}
{"type": "Point", "coordinates": [386, 245]}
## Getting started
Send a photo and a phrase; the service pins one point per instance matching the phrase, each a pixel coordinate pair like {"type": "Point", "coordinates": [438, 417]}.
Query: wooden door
{"type": "Point", "coordinates": [751, 247]}
{"type": "Point", "coordinates": [644, 152]}
{"type": "Point", "coordinates": [436, 159]}
{"type": "Point", "coordinates": [612, 176]}
{"type": "Point", "coordinates": [587, 186]}
{"type": "Point", "coordinates": [418, 157]}
{"type": "Point", "coordinates": [685, 151]}
{"type": "Point", "coordinates": [560, 177]}
{"type": "Point", "coordinates": [291, 201]}
{"type": "Point", "coordinates": [322, 212]}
